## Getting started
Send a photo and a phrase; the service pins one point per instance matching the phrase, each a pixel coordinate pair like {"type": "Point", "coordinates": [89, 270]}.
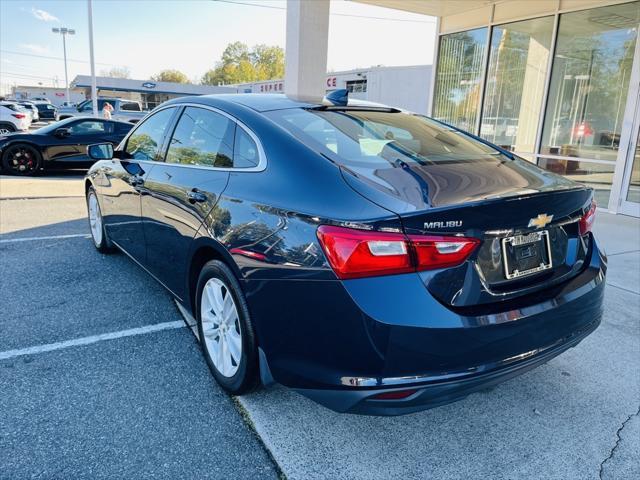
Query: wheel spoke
{"type": "Point", "coordinates": [218, 300]}
{"type": "Point", "coordinates": [220, 354]}
{"type": "Point", "coordinates": [234, 341]}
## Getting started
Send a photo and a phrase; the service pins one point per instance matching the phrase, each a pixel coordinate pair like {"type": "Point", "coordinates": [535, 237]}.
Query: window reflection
{"type": "Point", "coordinates": [202, 137]}
{"type": "Point", "coordinates": [595, 175]}
{"type": "Point", "coordinates": [590, 81]}
{"type": "Point", "coordinates": [458, 82]}
{"type": "Point", "coordinates": [518, 62]}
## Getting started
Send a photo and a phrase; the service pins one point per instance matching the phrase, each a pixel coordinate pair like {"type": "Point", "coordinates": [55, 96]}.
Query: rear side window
{"type": "Point", "coordinates": [146, 141]}
{"type": "Point", "coordinates": [130, 106]}
{"type": "Point", "coordinates": [202, 137]}
{"type": "Point", "coordinates": [373, 140]}
{"type": "Point", "coordinates": [245, 150]}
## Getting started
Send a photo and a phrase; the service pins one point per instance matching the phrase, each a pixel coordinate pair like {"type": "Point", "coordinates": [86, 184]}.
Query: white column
{"type": "Point", "coordinates": [306, 49]}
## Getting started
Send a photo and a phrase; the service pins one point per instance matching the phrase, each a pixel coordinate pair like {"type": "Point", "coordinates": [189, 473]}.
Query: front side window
{"type": "Point", "coordinates": [202, 137]}
{"type": "Point", "coordinates": [146, 141]}
{"type": "Point", "coordinates": [90, 127]}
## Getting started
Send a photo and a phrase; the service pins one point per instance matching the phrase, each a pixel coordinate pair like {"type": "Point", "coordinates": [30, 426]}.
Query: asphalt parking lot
{"type": "Point", "coordinates": [114, 386]}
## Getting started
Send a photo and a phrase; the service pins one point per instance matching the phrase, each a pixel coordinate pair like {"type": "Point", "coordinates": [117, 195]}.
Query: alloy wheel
{"type": "Point", "coordinates": [221, 327]}
{"type": "Point", "coordinates": [5, 131]}
{"type": "Point", "coordinates": [21, 160]}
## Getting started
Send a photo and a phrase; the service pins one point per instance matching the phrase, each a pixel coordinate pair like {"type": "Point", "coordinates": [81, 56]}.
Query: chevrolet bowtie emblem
{"type": "Point", "coordinates": [540, 221]}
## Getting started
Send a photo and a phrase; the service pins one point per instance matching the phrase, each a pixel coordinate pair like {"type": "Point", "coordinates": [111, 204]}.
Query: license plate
{"type": "Point", "coordinates": [526, 254]}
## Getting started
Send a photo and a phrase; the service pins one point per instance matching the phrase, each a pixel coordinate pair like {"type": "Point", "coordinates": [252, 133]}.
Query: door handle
{"type": "Point", "coordinates": [196, 196]}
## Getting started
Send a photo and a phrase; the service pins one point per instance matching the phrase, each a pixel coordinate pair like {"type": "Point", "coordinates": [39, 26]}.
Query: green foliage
{"type": "Point", "coordinates": [175, 76]}
{"type": "Point", "coordinates": [240, 64]}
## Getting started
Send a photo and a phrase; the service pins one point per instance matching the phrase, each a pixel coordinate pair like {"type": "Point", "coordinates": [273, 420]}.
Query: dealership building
{"type": "Point", "coordinates": [406, 87]}
{"type": "Point", "coordinates": [555, 81]}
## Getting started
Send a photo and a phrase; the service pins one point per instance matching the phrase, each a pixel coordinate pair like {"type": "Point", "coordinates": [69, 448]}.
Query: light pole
{"type": "Point", "coordinates": [94, 88]}
{"type": "Point", "coordinates": [64, 31]}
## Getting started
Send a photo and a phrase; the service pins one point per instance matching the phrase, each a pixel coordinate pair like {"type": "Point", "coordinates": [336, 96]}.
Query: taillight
{"type": "Point", "coordinates": [19, 115]}
{"type": "Point", "coordinates": [586, 222]}
{"type": "Point", "coordinates": [361, 253]}
{"type": "Point", "coordinates": [441, 252]}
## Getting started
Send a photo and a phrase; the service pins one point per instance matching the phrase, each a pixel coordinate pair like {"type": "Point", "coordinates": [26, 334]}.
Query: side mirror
{"type": "Point", "coordinates": [62, 132]}
{"type": "Point", "coordinates": [100, 151]}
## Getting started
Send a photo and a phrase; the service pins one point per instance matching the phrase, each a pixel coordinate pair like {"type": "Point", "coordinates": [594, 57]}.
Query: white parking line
{"type": "Point", "coordinates": [49, 347]}
{"type": "Point", "coordinates": [52, 237]}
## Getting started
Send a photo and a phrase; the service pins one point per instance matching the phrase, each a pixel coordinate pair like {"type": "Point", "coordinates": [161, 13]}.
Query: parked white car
{"type": "Point", "coordinates": [35, 115]}
{"type": "Point", "coordinates": [13, 118]}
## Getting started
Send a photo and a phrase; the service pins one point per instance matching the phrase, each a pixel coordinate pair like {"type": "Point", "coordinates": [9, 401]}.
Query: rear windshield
{"type": "Point", "coordinates": [379, 139]}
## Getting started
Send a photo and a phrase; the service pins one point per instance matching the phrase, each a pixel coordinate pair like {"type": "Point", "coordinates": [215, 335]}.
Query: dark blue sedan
{"type": "Point", "coordinates": [374, 260]}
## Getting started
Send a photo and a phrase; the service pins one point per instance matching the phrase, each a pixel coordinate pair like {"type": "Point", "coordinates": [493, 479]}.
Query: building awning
{"type": "Point", "coordinates": [149, 86]}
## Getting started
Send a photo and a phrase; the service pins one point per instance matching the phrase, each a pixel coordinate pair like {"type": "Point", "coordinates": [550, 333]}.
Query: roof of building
{"type": "Point", "coordinates": [149, 86]}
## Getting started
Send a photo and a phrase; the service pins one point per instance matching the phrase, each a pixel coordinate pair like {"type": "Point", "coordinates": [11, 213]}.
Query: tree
{"type": "Point", "coordinates": [268, 61]}
{"type": "Point", "coordinates": [116, 72]}
{"type": "Point", "coordinates": [174, 76]}
{"type": "Point", "coordinates": [239, 64]}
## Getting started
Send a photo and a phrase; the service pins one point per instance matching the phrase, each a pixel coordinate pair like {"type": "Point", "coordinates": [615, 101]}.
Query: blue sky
{"type": "Point", "coordinates": [149, 36]}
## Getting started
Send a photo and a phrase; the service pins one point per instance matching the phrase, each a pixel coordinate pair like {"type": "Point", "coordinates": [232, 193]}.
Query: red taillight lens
{"type": "Point", "coordinates": [586, 222]}
{"type": "Point", "coordinates": [360, 253]}
{"type": "Point", "coordinates": [441, 252]}
{"type": "Point", "coordinates": [19, 115]}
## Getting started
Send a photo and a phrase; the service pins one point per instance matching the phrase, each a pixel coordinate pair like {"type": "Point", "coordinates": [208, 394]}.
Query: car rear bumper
{"type": "Point", "coordinates": [341, 343]}
{"type": "Point", "coordinates": [432, 392]}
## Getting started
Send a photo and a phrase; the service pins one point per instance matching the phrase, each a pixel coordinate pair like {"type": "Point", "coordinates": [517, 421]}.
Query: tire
{"type": "Point", "coordinates": [21, 159]}
{"type": "Point", "coordinates": [96, 224]}
{"type": "Point", "coordinates": [6, 128]}
{"type": "Point", "coordinates": [218, 344]}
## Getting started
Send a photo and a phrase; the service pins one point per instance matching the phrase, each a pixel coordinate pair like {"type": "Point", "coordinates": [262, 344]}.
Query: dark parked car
{"type": "Point", "coordinates": [375, 261]}
{"type": "Point", "coordinates": [47, 111]}
{"type": "Point", "coordinates": [58, 145]}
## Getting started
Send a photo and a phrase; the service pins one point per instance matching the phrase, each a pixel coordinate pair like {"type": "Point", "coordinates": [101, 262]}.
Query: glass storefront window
{"type": "Point", "coordinates": [595, 175]}
{"type": "Point", "coordinates": [458, 81]}
{"type": "Point", "coordinates": [518, 64]}
{"type": "Point", "coordinates": [590, 82]}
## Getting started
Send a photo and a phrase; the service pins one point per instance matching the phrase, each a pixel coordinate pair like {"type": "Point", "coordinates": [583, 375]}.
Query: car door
{"type": "Point", "coordinates": [67, 146]}
{"type": "Point", "coordinates": [184, 189]}
{"type": "Point", "coordinates": [123, 182]}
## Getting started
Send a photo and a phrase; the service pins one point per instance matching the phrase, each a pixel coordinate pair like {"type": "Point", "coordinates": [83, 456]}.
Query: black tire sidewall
{"type": "Point", "coordinates": [245, 379]}
{"type": "Point", "coordinates": [5, 160]}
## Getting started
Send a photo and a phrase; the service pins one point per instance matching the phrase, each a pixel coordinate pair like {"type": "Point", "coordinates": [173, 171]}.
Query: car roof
{"type": "Point", "coordinates": [262, 102]}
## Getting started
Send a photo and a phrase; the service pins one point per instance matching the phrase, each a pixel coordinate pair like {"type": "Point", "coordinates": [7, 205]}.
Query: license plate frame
{"type": "Point", "coordinates": [542, 237]}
